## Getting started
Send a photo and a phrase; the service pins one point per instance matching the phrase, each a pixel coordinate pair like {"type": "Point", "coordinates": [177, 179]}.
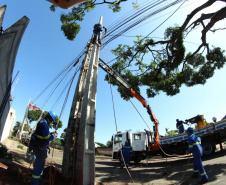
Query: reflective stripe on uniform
{"type": "Point", "coordinates": [126, 147]}
{"type": "Point", "coordinates": [203, 174]}
{"type": "Point", "coordinates": [43, 137]}
{"type": "Point", "coordinates": [195, 171]}
{"type": "Point", "coordinates": [180, 126]}
{"type": "Point", "coordinates": [35, 177]}
{"type": "Point", "coordinates": [197, 143]}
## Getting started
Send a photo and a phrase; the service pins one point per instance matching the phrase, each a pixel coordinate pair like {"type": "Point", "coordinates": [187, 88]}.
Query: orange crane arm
{"type": "Point", "coordinates": [135, 94]}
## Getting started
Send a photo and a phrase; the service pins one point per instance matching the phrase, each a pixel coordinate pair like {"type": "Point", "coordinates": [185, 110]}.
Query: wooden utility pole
{"type": "Point", "coordinates": [79, 148]}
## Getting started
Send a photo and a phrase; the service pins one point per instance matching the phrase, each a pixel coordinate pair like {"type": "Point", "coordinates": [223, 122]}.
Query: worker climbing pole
{"type": "Point", "coordinates": [79, 148]}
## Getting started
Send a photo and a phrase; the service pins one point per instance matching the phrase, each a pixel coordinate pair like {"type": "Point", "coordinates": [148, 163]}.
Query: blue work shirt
{"type": "Point", "coordinates": [126, 150]}
{"type": "Point", "coordinates": [180, 126]}
{"type": "Point", "coordinates": [41, 135]}
{"type": "Point", "coordinates": [194, 145]}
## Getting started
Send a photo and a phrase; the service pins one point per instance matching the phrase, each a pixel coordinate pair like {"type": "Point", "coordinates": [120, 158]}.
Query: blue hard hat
{"type": "Point", "coordinates": [53, 115]}
{"type": "Point", "coordinates": [190, 130]}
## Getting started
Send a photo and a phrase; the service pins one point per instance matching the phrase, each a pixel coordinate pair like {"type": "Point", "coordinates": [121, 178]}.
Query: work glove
{"type": "Point", "coordinates": [55, 133]}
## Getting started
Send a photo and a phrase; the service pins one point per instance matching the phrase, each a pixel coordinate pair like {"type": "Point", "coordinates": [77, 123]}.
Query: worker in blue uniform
{"type": "Point", "coordinates": [180, 126]}
{"type": "Point", "coordinates": [97, 29]}
{"type": "Point", "coordinates": [39, 143]}
{"type": "Point", "coordinates": [126, 152]}
{"type": "Point", "coordinates": [194, 146]}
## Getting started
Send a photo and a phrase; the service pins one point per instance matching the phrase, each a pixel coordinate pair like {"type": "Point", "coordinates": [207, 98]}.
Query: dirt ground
{"type": "Point", "coordinates": [155, 170]}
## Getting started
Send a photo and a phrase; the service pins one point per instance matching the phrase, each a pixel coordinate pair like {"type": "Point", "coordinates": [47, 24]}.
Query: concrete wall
{"type": "Point", "coordinates": [9, 124]}
{"type": "Point", "coordinates": [9, 43]}
{"type": "Point", "coordinates": [103, 151]}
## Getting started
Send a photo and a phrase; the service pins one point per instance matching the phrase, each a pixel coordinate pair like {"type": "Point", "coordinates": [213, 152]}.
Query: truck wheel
{"type": "Point", "coordinates": [137, 160]}
{"type": "Point", "coordinates": [208, 148]}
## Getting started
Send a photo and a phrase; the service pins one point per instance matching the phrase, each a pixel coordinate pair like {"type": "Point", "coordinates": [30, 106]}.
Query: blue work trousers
{"type": "Point", "coordinates": [181, 129]}
{"type": "Point", "coordinates": [96, 35]}
{"type": "Point", "coordinates": [126, 158]}
{"type": "Point", "coordinates": [37, 171]}
{"type": "Point", "coordinates": [198, 168]}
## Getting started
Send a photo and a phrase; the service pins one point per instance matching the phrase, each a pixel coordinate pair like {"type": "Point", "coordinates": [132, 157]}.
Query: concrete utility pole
{"type": "Point", "coordinates": [25, 116]}
{"type": "Point", "coordinates": [79, 148]}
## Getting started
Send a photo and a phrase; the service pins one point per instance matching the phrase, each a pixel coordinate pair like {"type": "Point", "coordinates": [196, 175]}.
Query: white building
{"type": "Point", "coordinates": [9, 124]}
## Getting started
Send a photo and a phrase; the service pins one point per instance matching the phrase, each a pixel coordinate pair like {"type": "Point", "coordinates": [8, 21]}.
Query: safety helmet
{"type": "Point", "coordinates": [190, 131]}
{"type": "Point", "coordinates": [177, 119]}
{"type": "Point", "coordinates": [53, 115]}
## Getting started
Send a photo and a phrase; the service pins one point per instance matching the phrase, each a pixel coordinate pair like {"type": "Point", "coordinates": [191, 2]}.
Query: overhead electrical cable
{"type": "Point", "coordinates": [141, 20]}
{"type": "Point", "coordinates": [60, 73]}
{"type": "Point", "coordinates": [135, 15]}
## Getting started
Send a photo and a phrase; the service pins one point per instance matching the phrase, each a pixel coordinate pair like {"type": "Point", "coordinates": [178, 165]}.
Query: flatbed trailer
{"type": "Point", "coordinates": [211, 135]}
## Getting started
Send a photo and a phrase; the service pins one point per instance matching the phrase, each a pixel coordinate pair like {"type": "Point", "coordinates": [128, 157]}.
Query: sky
{"type": "Point", "coordinates": [44, 51]}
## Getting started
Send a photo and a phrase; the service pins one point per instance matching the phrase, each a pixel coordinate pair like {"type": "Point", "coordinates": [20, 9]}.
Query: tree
{"type": "Point", "coordinates": [58, 142]}
{"type": "Point", "coordinates": [34, 115]}
{"type": "Point", "coordinates": [63, 136]}
{"type": "Point", "coordinates": [172, 132]}
{"type": "Point", "coordinates": [109, 144]}
{"type": "Point", "coordinates": [171, 67]}
{"type": "Point", "coordinates": [70, 25]}
{"type": "Point", "coordinates": [100, 144]}
{"type": "Point", "coordinates": [16, 128]}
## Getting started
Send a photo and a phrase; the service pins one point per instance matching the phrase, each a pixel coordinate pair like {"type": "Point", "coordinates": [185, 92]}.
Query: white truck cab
{"type": "Point", "coordinates": [118, 140]}
{"type": "Point", "coordinates": [138, 141]}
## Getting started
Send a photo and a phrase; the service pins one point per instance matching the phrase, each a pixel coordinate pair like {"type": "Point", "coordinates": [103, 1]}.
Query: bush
{"type": "Point", "coordinates": [4, 152]}
{"type": "Point", "coordinates": [20, 146]}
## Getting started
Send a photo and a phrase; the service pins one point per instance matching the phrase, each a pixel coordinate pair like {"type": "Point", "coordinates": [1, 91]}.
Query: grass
{"type": "Point", "coordinates": [20, 146]}
{"type": "Point", "coordinates": [14, 139]}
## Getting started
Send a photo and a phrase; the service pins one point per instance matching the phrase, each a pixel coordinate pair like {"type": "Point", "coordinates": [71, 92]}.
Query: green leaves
{"type": "Point", "coordinates": [70, 25]}
{"type": "Point", "coordinates": [167, 68]}
{"type": "Point", "coordinates": [70, 29]}
{"type": "Point", "coordinates": [115, 6]}
{"type": "Point", "coordinates": [34, 116]}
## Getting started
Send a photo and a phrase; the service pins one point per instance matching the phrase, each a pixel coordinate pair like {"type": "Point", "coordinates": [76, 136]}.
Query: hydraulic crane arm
{"type": "Point", "coordinates": [135, 94]}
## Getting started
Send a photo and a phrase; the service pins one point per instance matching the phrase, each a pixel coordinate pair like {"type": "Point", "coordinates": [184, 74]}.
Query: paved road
{"type": "Point", "coordinates": [155, 171]}
{"type": "Point", "coordinates": [160, 171]}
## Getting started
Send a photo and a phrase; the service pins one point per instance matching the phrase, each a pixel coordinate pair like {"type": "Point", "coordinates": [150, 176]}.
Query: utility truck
{"type": "Point", "coordinates": [210, 134]}
{"type": "Point", "coordinates": [148, 143]}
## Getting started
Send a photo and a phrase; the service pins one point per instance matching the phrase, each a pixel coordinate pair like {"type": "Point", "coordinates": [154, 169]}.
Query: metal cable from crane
{"type": "Point", "coordinates": [177, 156]}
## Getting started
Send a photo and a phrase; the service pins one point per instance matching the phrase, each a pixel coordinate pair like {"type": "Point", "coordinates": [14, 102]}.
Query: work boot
{"type": "Point", "coordinates": [99, 41]}
{"type": "Point", "coordinates": [194, 176]}
{"type": "Point", "coordinates": [202, 181]}
{"type": "Point", "coordinates": [93, 41]}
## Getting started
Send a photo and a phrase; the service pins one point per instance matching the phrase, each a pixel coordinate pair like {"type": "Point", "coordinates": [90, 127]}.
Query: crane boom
{"type": "Point", "coordinates": [135, 94]}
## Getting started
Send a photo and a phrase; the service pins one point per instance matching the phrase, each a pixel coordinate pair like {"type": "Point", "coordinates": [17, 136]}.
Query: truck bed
{"type": "Point", "coordinates": [213, 127]}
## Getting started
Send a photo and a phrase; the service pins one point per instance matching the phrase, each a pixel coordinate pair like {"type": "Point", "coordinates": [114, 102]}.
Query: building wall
{"type": "Point", "coordinates": [9, 124]}
{"type": "Point", "coordinates": [103, 151]}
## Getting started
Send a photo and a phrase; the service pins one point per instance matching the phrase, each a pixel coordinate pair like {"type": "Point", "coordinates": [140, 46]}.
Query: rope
{"type": "Point", "coordinates": [177, 156]}
{"type": "Point", "coordinates": [116, 121]}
